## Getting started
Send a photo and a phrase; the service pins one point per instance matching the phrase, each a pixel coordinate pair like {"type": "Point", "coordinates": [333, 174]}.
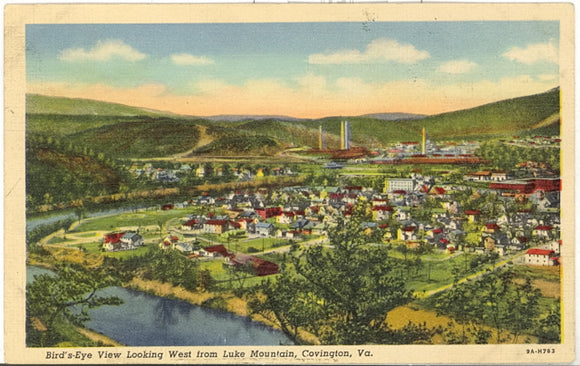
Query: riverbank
{"type": "Point", "coordinates": [224, 301]}
{"type": "Point", "coordinates": [99, 338]}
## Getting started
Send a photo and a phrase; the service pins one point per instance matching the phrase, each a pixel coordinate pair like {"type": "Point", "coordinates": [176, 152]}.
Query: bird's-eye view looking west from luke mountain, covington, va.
{"type": "Point", "coordinates": [147, 227]}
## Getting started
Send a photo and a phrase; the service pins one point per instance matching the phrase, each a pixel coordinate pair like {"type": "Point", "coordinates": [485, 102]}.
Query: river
{"type": "Point", "coordinates": [33, 223]}
{"type": "Point", "coordinates": [148, 320]}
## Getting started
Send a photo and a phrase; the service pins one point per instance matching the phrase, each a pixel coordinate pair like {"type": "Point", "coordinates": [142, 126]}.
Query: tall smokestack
{"type": "Point", "coordinates": [342, 135]}
{"type": "Point", "coordinates": [320, 137]}
{"type": "Point", "coordinates": [423, 142]}
{"type": "Point", "coordinates": [346, 135]}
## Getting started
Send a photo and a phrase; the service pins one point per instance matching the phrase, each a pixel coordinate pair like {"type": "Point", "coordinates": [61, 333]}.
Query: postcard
{"type": "Point", "coordinates": [289, 183]}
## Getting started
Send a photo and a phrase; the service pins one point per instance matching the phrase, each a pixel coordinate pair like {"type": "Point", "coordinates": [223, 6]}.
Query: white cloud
{"type": "Point", "coordinates": [379, 50]}
{"type": "Point", "coordinates": [533, 53]}
{"type": "Point", "coordinates": [313, 96]}
{"type": "Point", "coordinates": [186, 59]}
{"type": "Point", "coordinates": [457, 67]}
{"type": "Point", "coordinates": [103, 51]}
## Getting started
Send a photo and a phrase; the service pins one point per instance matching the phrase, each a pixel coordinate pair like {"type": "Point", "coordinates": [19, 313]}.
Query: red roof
{"type": "Point", "coordinates": [543, 227]}
{"type": "Point", "coordinates": [409, 228]}
{"type": "Point", "coordinates": [382, 208]}
{"type": "Point", "coordinates": [540, 251]}
{"type": "Point", "coordinates": [113, 238]}
{"type": "Point", "coordinates": [439, 190]}
{"type": "Point", "coordinates": [400, 192]}
{"type": "Point", "coordinates": [336, 196]}
{"type": "Point", "coordinates": [444, 241]}
{"type": "Point", "coordinates": [218, 249]}
{"type": "Point", "coordinates": [216, 222]}
{"type": "Point", "coordinates": [492, 226]}
{"type": "Point", "coordinates": [472, 212]}
{"type": "Point", "coordinates": [437, 231]}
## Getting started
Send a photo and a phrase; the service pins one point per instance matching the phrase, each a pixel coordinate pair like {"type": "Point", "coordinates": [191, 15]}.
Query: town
{"type": "Point", "coordinates": [438, 214]}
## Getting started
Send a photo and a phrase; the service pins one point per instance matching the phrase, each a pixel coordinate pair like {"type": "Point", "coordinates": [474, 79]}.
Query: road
{"type": "Point", "coordinates": [473, 276]}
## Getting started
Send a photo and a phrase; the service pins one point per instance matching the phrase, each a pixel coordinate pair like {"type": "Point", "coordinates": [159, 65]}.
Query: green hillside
{"type": "Point", "coordinates": [54, 175]}
{"type": "Point", "coordinates": [504, 117]}
{"type": "Point", "coordinates": [41, 104]}
{"type": "Point", "coordinates": [141, 139]}
{"type": "Point", "coordinates": [514, 116]}
{"type": "Point", "coordinates": [122, 132]}
{"type": "Point", "coordinates": [240, 145]}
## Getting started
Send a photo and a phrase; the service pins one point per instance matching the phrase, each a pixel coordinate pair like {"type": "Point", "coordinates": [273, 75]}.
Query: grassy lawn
{"type": "Point", "coordinates": [130, 219]}
{"type": "Point", "coordinates": [434, 275]}
{"type": "Point", "coordinates": [216, 268]}
{"type": "Point", "coordinates": [222, 277]}
{"type": "Point", "coordinates": [58, 239]}
{"type": "Point", "coordinates": [259, 243]}
{"type": "Point", "coordinates": [95, 248]}
{"type": "Point", "coordinates": [86, 235]}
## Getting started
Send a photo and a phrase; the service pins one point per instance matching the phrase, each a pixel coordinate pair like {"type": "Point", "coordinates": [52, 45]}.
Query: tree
{"type": "Point", "coordinates": [51, 298]}
{"type": "Point", "coordinates": [345, 291]}
{"type": "Point", "coordinates": [497, 300]}
{"type": "Point", "coordinates": [549, 327]}
{"type": "Point", "coordinates": [80, 212]}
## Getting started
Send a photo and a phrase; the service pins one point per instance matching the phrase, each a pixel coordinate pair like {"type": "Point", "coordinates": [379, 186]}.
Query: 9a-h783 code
{"type": "Point", "coordinates": [533, 351]}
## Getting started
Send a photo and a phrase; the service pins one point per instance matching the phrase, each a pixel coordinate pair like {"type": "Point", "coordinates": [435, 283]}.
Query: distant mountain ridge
{"type": "Point", "coordinates": [140, 133]}
{"type": "Point", "coordinates": [394, 116]}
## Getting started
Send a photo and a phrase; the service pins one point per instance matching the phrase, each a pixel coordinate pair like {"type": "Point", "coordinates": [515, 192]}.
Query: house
{"type": "Point", "coordinates": [184, 247]}
{"type": "Point", "coordinates": [255, 265]}
{"type": "Point", "coordinates": [438, 191]}
{"type": "Point", "coordinates": [131, 241]}
{"type": "Point", "coordinates": [407, 233]}
{"type": "Point", "coordinates": [543, 232]}
{"type": "Point", "coordinates": [264, 228]}
{"type": "Point", "coordinates": [293, 234]}
{"type": "Point", "coordinates": [122, 241]}
{"type": "Point", "coordinates": [112, 241]}
{"type": "Point", "coordinates": [215, 226]}
{"type": "Point", "coordinates": [191, 225]}
{"type": "Point", "coordinates": [491, 228]}
{"type": "Point", "coordinates": [268, 212]}
{"type": "Point", "coordinates": [286, 218]}
{"type": "Point", "coordinates": [169, 242]}
{"type": "Point", "coordinates": [299, 225]}
{"type": "Point", "coordinates": [482, 176]}
{"type": "Point", "coordinates": [381, 213]}
{"type": "Point", "coordinates": [472, 215]}
{"type": "Point", "coordinates": [498, 175]}
{"type": "Point", "coordinates": [541, 257]}
{"type": "Point", "coordinates": [217, 251]}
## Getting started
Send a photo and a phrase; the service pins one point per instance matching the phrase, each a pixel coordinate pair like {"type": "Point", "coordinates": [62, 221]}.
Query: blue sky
{"type": "Point", "coordinates": [298, 69]}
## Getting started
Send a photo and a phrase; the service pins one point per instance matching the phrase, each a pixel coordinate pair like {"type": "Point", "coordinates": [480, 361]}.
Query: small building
{"type": "Point", "coordinates": [122, 241]}
{"type": "Point", "coordinates": [217, 251]}
{"type": "Point", "coordinates": [264, 229]}
{"type": "Point", "coordinates": [257, 266]}
{"type": "Point", "coordinates": [541, 257]}
{"type": "Point", "coordinates": [215, 226]}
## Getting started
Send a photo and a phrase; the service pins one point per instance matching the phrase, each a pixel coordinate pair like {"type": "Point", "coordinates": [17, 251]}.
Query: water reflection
{"type": "Point", "coordinates": [147, 320]}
